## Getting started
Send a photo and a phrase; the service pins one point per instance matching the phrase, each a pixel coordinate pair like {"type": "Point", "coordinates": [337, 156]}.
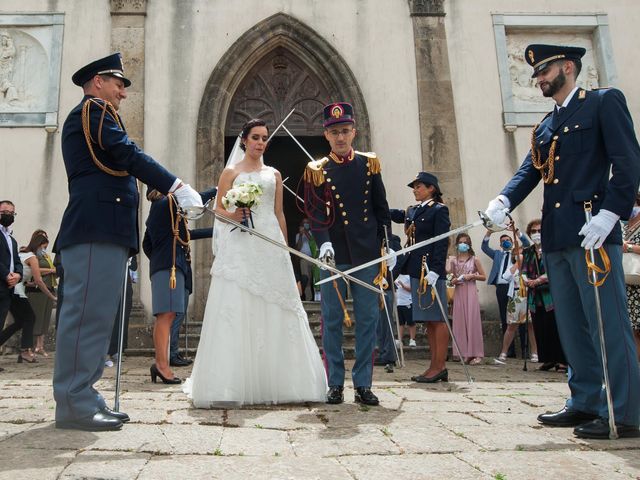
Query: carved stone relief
{"type": "Point", "coordinates": [23, 70]}
{"type": "Point", "coordinates": [276, 85]}
{"type": "Point", "coordinates": [526, 94]}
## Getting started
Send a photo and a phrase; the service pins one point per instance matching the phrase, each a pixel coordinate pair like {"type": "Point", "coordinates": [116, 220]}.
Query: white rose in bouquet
{"type": "Point", "coordinates": [244, 195]}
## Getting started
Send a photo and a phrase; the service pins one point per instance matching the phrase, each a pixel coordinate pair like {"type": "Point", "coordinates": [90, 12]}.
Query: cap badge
{"type": "Point", "coordinates": [337, 111]}
{"type": "Point", "coordinates": [531, 57]}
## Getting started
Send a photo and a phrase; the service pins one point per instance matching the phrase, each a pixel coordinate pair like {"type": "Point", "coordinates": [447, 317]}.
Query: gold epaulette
{"type": "Point", "coordinates": [314, 173]}
{"type": "Point", "coordinates": [373, 162]}
{"type": "Point", "coordinates": [106, 108]}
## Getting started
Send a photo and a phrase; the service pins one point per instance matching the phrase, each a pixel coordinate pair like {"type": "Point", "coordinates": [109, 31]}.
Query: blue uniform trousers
{"type": "Point", "coordinates": [174, 348]}
{"type": "Point", "coordinates": [386, 341]}
{"type": "Point", "coordinates": [93, 276]}
{"type": "Point", "coordinates": [366, 311]}
{"type": "Point", "coordinates": [577, 323]}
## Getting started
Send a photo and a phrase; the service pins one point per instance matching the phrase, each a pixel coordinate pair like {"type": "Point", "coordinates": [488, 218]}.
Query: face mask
{"type": "Point", "coordinates": [635, 211]}
{"type": "Point", "coordinates": [536, 238]}
{"type": "Point", "coordinates": [463, 247]}
{"type": "Point", "coordinates": [507, 244]}
{"type": "Point", "coordinates": [6, 219]}
{"type": "Point", "coordinates": [41, 252]}
{"type": "Point", "coordinates": [306, 226]}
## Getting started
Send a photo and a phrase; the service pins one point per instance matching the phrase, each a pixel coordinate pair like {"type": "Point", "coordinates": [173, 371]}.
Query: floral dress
{"type": "Point", "coordinates": [633, 291]}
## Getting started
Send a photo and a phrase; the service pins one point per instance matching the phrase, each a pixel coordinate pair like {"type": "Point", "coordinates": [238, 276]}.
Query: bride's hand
{"type": "Point", "coordinates": [239, 215]}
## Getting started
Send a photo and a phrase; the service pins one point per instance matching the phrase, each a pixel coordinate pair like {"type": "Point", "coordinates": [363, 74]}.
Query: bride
{"type": "Point", "coordinates": [256, 346]}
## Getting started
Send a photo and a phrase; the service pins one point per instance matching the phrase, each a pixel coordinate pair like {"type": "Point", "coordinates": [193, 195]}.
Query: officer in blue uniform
{"type": "Point", "coordinates": [98, 233]}
{"type": "Point", "coordinates": [346, 201]}
{"type": "Point", "coordinates": [428, 219]}
{"type": "Point", "coordinates": [587, 135]}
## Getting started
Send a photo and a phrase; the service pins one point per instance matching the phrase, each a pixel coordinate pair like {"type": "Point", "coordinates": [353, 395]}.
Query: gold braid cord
{"type": "Point", "coordinates": [546, 167]}
{"type": "Point", "coordinates": [423, 284]}
{"type": "Point", "coordinates": [381, 279]}
{"type": "Point", "coordinates": [592, 267]}
{"type": "Point", "coordinates": [86, 129]}
{"type": "Point", "coordinates": [347, 319]}
{"type": "Point", "coordinates": [175, 230]}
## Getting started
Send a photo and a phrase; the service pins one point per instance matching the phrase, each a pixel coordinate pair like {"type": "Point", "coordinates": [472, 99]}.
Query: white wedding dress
{"type": "Point", "coordinates": [256, 346]}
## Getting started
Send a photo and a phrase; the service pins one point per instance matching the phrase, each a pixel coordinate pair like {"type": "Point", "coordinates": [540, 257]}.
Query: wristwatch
{"type": "Point", "coordinates": [629, 247]}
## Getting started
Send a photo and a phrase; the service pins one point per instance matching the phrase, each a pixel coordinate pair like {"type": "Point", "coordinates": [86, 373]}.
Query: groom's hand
{"type": "Point", "coordinates": [326, 253]}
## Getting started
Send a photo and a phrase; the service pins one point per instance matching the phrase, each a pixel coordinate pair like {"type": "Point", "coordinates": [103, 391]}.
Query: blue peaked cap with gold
{"type": "Point", "coordinates": [541, 56]}
{"type": "Point", "coordinates": [339, 112]}
{"type": "Point", "coordinates": [111, 65]}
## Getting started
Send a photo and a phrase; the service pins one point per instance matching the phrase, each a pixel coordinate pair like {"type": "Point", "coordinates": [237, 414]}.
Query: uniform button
{"type": "Point", "coordinates": [595, 196]}
{"type": "Point", "coordinates": [368, 165]}
{"type": "Point", "coordinates": [333, 187]}
{"type": "Point", "coordinates": [368, 174]}
{"type": "Point", "coordinates": [541, 142]}
{"type": "Point", "coordinates": [366, 192]}
{"type": "Point", "coordinates": [117, 199]}
{"type": "Point", "coordinates": [346, 222]}
{"type": "Point", "coordinates": [368, 182]}
{"type": "Point", "coordinates": [328, 180]}
{"type": "Point", "coordinates": [344, 214]}
{"type": "Point", "coordinates": [577, 126]}
{"type": "Point", "coordinates": [324, 171]}
{"type": "Point", "coordinates": [555, 180]}
{"type": "Point", "coordinates": [555, 137]}
{"type": "Point", "coordinates": [365, 201]}
{"type": "Point", "coordinates": [557, 157]}
{"type": "Point", "coordinates": [566, 129]}
{"type": "Point", "coordinates": [338, 196]}
{"type": "Point", "coordinates": [341, 205]}
{"type": "Point", "coordinates": [365, 219]}
{"type": "Point", "coordinates": [365, 210]}
{"type": "Point", "coordinates": [557, 204]}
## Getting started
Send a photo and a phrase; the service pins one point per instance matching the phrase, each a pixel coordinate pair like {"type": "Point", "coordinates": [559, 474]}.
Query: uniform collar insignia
{"type": "Point", "coordinates": [582, 95]}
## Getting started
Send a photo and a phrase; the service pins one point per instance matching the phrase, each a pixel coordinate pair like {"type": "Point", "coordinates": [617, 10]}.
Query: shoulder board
{"type": "Point", "coordinates": [600, 88]}
{"type": "Point", "coordinates": [373, 162]}
{"type": "Point", "coordinates": [314, 173]}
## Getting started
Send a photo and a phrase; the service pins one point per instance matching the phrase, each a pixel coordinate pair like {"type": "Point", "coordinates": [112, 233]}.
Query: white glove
{"type": "Point", "coordinates": [432, 277]}
{"type": "Point", "coordinates": [596, 231]}
{"type": "Point", "coordinates": [326, 251]}
{"type": "Point", "coordinates": [187, 197]}
{"type": "Point", "coordinates": [497, 210]}
{"type": "Point", "coordinates": [393, 260]}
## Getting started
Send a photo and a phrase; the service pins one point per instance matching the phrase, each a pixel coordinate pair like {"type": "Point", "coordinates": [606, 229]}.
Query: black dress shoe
{"type": "Point", "coordinates": [365, 396]}
{"type": "Point", "coordinates": [566, 418]}
{"type": "Point", "coordinates": [181, 357]}
{"type": "Point", "coordinates": [179, 362]}
{"type": "Point", "coordinates": [99, 422]}
{"type": "Point", "coordinates": [442, 376]}
{"type": "Point", "coordinates": [599, 429]}
{"type": "Point", "coordinates": [123, 417]}
{"type": "Point", "coordinates": [378, 362]}
{"type": "Point", "coordinates": [335, 395]}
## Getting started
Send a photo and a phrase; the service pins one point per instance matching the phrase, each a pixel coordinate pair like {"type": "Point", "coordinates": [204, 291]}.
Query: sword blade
{"type": "Point", "coordinates": [415, 246]}
{"type": "Point", "coordinates": [338, 273]}
{"type": "Point", "coordinates": [281, 125]}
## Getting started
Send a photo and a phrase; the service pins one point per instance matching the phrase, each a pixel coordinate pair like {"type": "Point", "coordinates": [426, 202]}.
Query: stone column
{"type": "Point", "coordinates": [438, 130]}
{"type": "Point", "coordinates": [127, 37]}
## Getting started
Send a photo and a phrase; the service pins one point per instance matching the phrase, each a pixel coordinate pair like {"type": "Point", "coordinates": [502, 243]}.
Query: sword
{"type": "Point", "coordinates": [199, 211]}
{"type": "Point", "coordinates": [613, 431]}
{"type": "Point", "coordinates": [281, 125]}
{"type": "Point", "coordinates": [291, 191]}
{"type": "Point", "coordinates": [484, 220]}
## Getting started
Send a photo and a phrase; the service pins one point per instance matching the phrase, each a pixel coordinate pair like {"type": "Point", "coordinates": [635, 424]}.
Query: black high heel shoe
{"type": "Point", "coordinates": [442, 376]}
{"type": "Point", "coordinates": [156, 373]}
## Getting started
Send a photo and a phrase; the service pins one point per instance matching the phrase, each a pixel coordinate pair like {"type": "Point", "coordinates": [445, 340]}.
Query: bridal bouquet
{"type": "Point", "coordinates": [243, 195]}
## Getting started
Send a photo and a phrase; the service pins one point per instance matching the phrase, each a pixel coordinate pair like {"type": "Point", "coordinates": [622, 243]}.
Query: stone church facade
{"type": "Point", "coordinates": [437, 85]}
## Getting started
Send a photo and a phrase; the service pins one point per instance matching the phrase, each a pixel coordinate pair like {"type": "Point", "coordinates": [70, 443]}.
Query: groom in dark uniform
{"type": "Point", "coordinates": [99, 232]}
{"type": "Point", "coordinates": [346, 201]}
{"type": "Point", "coordinates": [587, 155]}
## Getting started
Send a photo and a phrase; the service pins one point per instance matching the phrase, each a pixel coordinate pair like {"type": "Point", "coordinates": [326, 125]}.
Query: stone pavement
{"type": "Point", "coordinates": [486, 430]}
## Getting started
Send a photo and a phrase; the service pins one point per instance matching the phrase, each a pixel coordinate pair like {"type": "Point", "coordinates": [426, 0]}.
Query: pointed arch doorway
{"type": "Point", "coordinates": [277, 65]}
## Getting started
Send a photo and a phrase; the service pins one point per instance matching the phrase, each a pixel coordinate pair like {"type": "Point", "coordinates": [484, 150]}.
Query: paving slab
{"type": "Point", "coordinates": [410, 467]}
{"type": "Point", "coordinates": [18, 463]}
{"type": "Point", "coordinates": [105, 465]}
